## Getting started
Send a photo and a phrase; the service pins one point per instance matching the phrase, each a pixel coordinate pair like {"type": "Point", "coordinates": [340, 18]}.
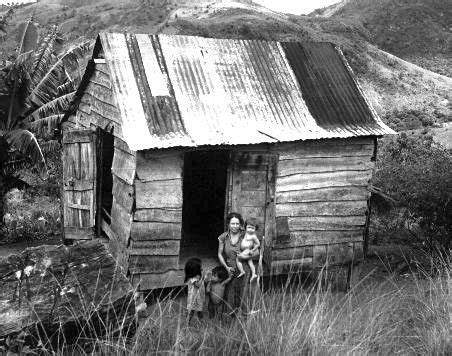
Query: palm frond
{"type": "Point", "coordinates": [26, 143]}
{"type": "Point", "coordinates": [28, 39]}
{"type": "Point", "coordinates": [16, 165]}
{"type": "Point", "coordinates": [44, 56]}
{"type": "Point", "coordinates": [66, 88]}
{"type": "Point", "coordinates": [51, 146]}
{"type": "Point", "coordinates": [47, 89]}
{"type": "Point", "coordinates": [56, 106]}
{"type": "Point", "coordinates": [46, 125]}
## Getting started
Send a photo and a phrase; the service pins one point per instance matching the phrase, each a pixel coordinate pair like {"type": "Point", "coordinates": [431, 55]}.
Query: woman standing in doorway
{"type": "Point", "coordinates": [239, 290]}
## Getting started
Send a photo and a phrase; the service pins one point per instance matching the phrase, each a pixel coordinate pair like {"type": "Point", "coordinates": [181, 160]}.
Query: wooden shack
{"type": "Point", "coordinates": [167, 134]}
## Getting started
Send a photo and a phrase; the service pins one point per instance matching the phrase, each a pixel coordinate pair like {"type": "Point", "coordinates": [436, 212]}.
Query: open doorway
{"type": "Point", "coordinates": [105, 178]}
{"type": "Point", "coordinates": [204, 195]}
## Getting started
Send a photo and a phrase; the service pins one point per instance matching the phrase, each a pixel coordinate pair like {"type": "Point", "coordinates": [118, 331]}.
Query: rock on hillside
{"type": "Point", "coordinates": [405, 95]}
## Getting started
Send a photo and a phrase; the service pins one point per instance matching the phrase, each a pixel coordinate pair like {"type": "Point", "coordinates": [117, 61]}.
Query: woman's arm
{"type": "Point", "coordinates": [221, 258]}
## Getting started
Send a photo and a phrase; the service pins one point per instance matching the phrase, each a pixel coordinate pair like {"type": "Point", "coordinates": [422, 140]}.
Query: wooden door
{"type": "Point", "coordinates": [79, 184]}
{"type": "Point", "coordinates": [253, 192]}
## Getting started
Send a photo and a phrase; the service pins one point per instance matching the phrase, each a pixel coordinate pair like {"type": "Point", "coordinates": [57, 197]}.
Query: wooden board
{"type": "Point", "coordinates": [147, 281]}
{"type": "Point", "coordinates": [309, 223]}
{"type": "Point", "coordinates": [121, 222]}
{"type": "Point", "coordinates": [303, 238]}
{"type": "Point", "coordinates": [123, 193]}
{"type": "Point", "coordinates": [124, 166]}
{"type": "Point", "coordinates": [159, 215]}
{"type": "Point", "coordinates": [157, 167]}
{"type": "Point", "coordinates": [326, 164]}
{"type": "Point", "coordinates": [331, 208]}
{"type": "Point", "coordinates": [326, 148]}
{"type": "Point", "coordinates": [323, 180]}
{"type": "Point", "coordinates": [323, 194]}
{"type": "Point", "coordinates": [319, 259]}
{"type": "Point", "coordinates": [292, 253]}
{"type": "Point", "coordinates": [155, 231]}
{"type": "Point", "coordinates": [152, 264]}
{"type": "Point", "coordinates": [291, 266]}
{"type": "Point", "coordinates": [159, 194]}
{"type": "Point", "coordinates": [154, 248]}
{"type": "Point", "coordinates": [65, 284]}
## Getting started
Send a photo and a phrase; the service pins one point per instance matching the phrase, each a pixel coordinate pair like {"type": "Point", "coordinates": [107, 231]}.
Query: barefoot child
{"type": "Point", "coordinates": [249, 248]}
{"type": "Point", "coordinates": [196, 290]}
{"type": "Point", "coordinates": [215, 289]}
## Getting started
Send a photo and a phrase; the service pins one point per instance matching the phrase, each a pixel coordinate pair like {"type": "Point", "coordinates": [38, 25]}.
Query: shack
{"type": "Point", "coordinates": [167, 134]}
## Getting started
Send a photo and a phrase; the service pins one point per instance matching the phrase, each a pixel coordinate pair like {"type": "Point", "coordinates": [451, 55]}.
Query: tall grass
{"type": "Point", "coordinates": [399, 315]}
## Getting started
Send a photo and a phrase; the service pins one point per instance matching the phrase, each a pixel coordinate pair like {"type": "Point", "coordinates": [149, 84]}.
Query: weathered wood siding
{"type": "Point", "coordinates": [321, 202]}
{"type": "Point", "coordinates": [157, 219]}
{"type": "Point", "coordinates": [97, 106]}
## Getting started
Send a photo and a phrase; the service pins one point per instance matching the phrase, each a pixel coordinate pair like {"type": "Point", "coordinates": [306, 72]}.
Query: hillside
{"type": "Point", "coordinates": [419, 31]}
{"type": "Point", "coordinates": [405, 95]}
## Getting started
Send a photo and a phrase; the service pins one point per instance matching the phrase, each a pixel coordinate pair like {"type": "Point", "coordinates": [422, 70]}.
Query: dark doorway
{"type": "Point", "coordinates": [105, 178]}
{"type": "Point", "coordinates": [204, 193]}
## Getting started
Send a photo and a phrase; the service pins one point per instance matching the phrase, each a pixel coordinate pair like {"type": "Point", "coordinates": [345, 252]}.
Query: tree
{"type": "Point", "coordinates": [39, 85]}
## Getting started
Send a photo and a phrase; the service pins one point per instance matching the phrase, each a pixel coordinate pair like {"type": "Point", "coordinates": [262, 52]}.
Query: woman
{"type": "Point", "coordinates": [239, 290]}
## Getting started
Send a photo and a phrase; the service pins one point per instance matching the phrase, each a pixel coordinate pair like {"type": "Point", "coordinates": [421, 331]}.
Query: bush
{"type": "Point", "coordinates": [30, 216]}
{"type": "Point", "coordinates": [418, 175]}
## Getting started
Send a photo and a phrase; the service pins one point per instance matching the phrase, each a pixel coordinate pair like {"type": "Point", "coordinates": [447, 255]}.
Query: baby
{"type": "Point", "coordinates": [215, 289]}
{"type": "Point", "coordinates": [249, 248]}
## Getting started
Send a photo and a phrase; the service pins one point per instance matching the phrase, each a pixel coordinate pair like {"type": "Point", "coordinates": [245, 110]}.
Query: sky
{"type": "Point", "coordinates": [296, 7]}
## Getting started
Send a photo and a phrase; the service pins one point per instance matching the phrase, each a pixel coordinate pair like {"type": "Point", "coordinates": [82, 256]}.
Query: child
{"type": "Point", "coordinates": [215, 289]}
{"type": "Point", "coordinates": [196, 290]}
{"type": "Point", "coordinates": [249, 248]}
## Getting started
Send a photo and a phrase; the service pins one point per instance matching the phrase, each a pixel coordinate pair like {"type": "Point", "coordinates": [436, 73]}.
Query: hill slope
{"type": "Point", "coordinates": [419, 31]}
{"type": "Point", "coordinates": [405, 95]}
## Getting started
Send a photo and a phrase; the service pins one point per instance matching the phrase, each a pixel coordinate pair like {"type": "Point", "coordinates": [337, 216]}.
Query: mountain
{"type": "Point", "coordinates": [405, 95]}
{"type": "Point", "coordinates": [419, 31]}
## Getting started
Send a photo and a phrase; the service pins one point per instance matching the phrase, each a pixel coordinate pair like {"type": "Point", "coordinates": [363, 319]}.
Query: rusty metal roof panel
{"type": "Point", "coordinates": [193, 91]}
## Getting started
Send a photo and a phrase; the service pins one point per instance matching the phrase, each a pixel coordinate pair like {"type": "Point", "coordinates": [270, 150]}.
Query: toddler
{"type": "Point", "coordinates": [196, 290]}
{"type": "Point", "coordinates": [249, 248]}
{"type": "Point", "coordinates": [215, 289]}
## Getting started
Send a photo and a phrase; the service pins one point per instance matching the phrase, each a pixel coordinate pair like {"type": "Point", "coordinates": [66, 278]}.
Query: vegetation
{"type": "Point", "coordinates": [38, 86]}
{"type": "Point", "coordinates": [397, 315]}
{"type": "Point", "coordinates": [417, 174]}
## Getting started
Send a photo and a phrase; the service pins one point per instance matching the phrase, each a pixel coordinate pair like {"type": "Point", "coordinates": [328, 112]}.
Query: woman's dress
{"type": "Point", "coordinates": [239, 292]}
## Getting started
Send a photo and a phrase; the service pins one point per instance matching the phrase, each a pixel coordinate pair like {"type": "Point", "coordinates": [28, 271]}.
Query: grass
{"type": "Point", "coordinates": [405, 314]}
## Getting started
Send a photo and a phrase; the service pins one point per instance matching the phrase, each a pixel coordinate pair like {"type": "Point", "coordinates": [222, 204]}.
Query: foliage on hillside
{"type": "Point", "coordinates": [416, 30]}
{"type": "Point", "coordinates": [418, 175]}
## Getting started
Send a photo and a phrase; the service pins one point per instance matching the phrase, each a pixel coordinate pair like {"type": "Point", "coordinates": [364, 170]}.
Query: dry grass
{"type": "Point", "coordinates": [405, 315]}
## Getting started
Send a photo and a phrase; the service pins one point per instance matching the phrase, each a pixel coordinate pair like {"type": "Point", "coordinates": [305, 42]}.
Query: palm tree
{"type": "Point", "coordinates": [40, 85]}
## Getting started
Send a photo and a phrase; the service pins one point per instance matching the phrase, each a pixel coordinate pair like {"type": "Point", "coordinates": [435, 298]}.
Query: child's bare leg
{"type": "Point", "coordinates": [253, 270]}
{"type": "Point", "coordinates": [240, 268]}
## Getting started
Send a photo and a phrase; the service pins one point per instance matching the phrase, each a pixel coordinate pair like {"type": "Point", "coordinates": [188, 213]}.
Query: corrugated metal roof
{"type": "Point", "coordinates": [194, 91]}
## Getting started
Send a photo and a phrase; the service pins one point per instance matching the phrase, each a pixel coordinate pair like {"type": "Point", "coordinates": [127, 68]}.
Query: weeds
{"type": "Point", "coordinates": [401, 315]}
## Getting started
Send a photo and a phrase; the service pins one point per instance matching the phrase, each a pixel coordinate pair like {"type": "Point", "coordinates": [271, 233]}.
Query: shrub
{"type": "Point", "coordinates": [418, 175]}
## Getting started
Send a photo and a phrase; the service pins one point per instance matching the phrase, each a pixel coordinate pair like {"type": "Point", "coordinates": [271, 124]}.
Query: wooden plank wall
{"type": "Point", "coordinates": [98, 108]}
{"type": "Point", "coordinates": [321, 202]}
{"type": "Point", "coordinates": [157, 220]}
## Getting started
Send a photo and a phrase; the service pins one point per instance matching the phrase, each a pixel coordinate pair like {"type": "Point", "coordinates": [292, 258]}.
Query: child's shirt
{"type": "Point", "coordinates": [216, 290]}
{"type": "Point", "coordinates": [196, 294]}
